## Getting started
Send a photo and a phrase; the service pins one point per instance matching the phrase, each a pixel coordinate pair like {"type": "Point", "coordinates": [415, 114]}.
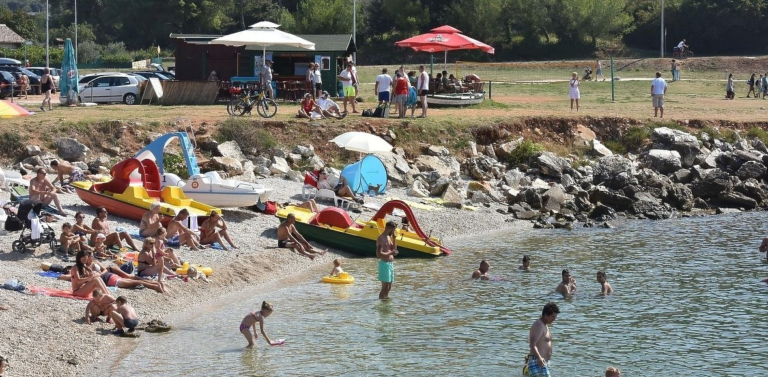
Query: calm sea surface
{"type": "Point", "coordinates": [688, 301]}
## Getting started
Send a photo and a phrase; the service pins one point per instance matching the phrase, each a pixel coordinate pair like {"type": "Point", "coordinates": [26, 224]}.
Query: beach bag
{"type": "Point", "coordinates": [13, 224]}
{"type": "Point", "coordinates": [14, 285]}
{"type": "Point", "coordinates": [127, 268]}
{"type": "Point", "coordinates": [367, 113]}
{"type": "Point", "coordinates": [270, 208]}
{"type": "Point", "coordinates": [381, 112]}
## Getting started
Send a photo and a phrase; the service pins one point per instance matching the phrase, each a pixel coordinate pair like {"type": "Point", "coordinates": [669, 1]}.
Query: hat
{"type": "Point", "coordinates": [101, 235]}
{"type": "Point", "coordinates": [325, 93]}
{"type": "Point", "coordinates": [307, 95]}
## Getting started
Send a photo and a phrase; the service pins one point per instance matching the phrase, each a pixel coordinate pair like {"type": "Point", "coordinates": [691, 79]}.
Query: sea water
{"type": "Point", "coordinates": [688, 301]}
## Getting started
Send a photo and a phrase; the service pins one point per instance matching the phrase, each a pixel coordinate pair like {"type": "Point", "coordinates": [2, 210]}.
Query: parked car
{"type": "Point", "coordinates": [8, 85]}
{"type": "Point", "coordinates": [111, 88]}
{"type": "Point", "coordinates": [149, 74]}
{"type": "Point", "coordinates": [55, 73]}
{"type": "Point", "coordinates": [34, 80]}
{"type": "Point", "coordinates": [89, 77]}
{"type": "Point", "coordinates": [10, 62]}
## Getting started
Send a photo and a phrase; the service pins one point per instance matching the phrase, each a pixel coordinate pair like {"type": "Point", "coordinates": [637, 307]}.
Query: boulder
{"type": "Point", "coordinates": [262, 171]}
{"type": "Point", "coordinates": [208, 144]}
{"type": "Point", "coordinates": [262, 161]}
{"type": "Point", "coordinates": [682, 176]}
{"type": "Point", "coordinates": [725, 211]}
{"type": "Point", "coordinates": [530, 196]}
{"type": "Point", "coordinates": [601, 212]}
{"type": "Point", "coordinates": [513, 177]}
{"type": "Point", "coordinates": [710, 161]}
{"type": "Point", "coordinates": [484, 187]}
{"type": "Point", "coordinates": [680, 196]}
{"type": "Point", "coordinates": [699, 172]}
{"type": "Point", "coordinates": [71, 149]}
{"type": "Point", "coordinates": [566, 180]}
{"type": "Point", "coordinates": [528, 215]}
{"type": "Point", "coordinates": [664, 161]}
{"type": "Point", "coordinates": [551, 165]}
{"type": "Point", "coordinates": [600, 149]}
{"type": "Point", "coordinates": [81, 165]}
{"type": "Point", "coordinates": [601, 194]}
{"type": "Point", "coordinates": [229, 165]}
{"type": "Point", "coordinates": [295, 176]}
{"type": "Point", "coordinates": [479, 197]}
{"type": "Point", "coordinates": [248, 174]}
{"type": "Point", "coordinates": [504, 150]}
{"type": "Point", "coordinates": [738, 199]}
{"type": "Point", "coordinates": [32, 150]}
{"type": "Point", "coordinates": [293, 158]}
{"type": "Point", "coordinates": [554, 198]}
{"type": "Point", "coordinates": [436, 150]}
{"type": "Point", "coordinates": [230, 149]}
{"type": "Point", "coordinates": [609, 170]}
{"type": "Point", "coordinates": [753, 189]}
{"type": "Point", "coordinates": [748, 156]}
{"type": "Point", "coordinates": [684, 143]}
{"type": "Point", "coordinates": [651, 210]}
{"type": "Point", "coordinates": [715, 182]}
{"type": "Point", "coordinates": [438, 188]}
{"type": "Point", "coordinates": [759, 146]}
{"type": "Point", "coordinates": [305, 152]}
{"type": "Point", "coordinates": [451, 198]}
{"type": "Point", "coordinates": [316, 162]}
{"type": "Point", "coordinates": [279, 166]}
{"type": "Point", "coordinates": [34, 161]}
{"type": "Point", "coordinates": [752, 169]}
{"type": "Point", "coordinates": [539, 184]}
{"type": "Point", "coordinates": [396, 167]}
{"type": "Point", "coordinates": [277, 152]}
{"type": "Point", "coordinates": [584, 134]}
{"type": "Point", "coordinates": [446, 166]}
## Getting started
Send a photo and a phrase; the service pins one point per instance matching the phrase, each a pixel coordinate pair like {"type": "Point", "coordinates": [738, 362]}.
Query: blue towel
{"type": "Point", "coordinates": [49, 274]}
{"type": "Point", "coordinates": [173, 242]}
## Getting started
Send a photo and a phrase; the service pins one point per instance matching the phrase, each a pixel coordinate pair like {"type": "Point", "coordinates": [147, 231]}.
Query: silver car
{"type": "Point", "coordinates": [111, 88]}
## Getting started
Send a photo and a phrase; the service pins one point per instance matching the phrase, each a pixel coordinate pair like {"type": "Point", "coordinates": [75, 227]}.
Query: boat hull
{"type": "Point", "coordinates": [456, 99]}
{"type": "Point", "coordinates": [223, 199]}
{"type": "Point", "coordinates": [115, 207]}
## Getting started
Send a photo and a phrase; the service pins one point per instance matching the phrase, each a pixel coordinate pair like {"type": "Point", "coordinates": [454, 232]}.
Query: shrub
{"type": "Point", "coordinates": [524, 152]}
{"type": "Point", "coordinates": [758, 133]}
{"type": "Point", "coordinates": [116, 60]}
{"type": "Point", "coordinates": [246, 133]}
{"type": "Point", "coordinates": [175, 164]}
{"type": "Point", "coordinates": [635, 138]}
{"type": "Point", "coordinates": [11, 144]}
{"type": "Point", "coordinates": [615, 146]}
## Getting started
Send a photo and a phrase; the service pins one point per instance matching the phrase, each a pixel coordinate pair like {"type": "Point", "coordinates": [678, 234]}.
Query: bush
{"type": "Point", "coordinates": [758, 133]}
{"type": "Point", "coordinates": [635, 138]}
{"type": "Point", "coordinates": [524, 152]}
{"type": "Point", "coordinates": [88, 52]}
{"type": "Point", "coordinates": [115, 48]}
{"type": "Point", "coordinates": [246, 133]}
{"type": "Point", "coordinates": [731, 136]}
{"type": "Point", "coordinates": [173, 163]}
{"type": "Point", "coordinates": [116, 61]}
{"type": "Point", "coordinates": [11, 144]}
{"type": "Point", "coordinates": [615, 146]}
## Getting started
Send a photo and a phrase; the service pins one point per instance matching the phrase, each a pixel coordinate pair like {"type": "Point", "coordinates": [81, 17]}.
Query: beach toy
{"type": "Point", "coordinates": [183, 270]}
{"type": "Point", "coordinates": [124, 258]}
{"type": "Point", "coordinates": [343, 278]}
{"type": "Point", "coordinates": [278, 342]}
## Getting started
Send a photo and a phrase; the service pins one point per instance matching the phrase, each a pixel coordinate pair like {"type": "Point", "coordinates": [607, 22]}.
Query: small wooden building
{"type": "Point", "coordinates": [195, 58]}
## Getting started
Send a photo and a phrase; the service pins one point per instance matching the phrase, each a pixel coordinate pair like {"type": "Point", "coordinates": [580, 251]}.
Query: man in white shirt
{"type": "Point", "coordinates": [383, 87]}
{"type": "Point", "coordinates": [422, 88]}
{"type": "Point", "coordinates": [681, 45]}
{"type": "Point", "coordinates": [658, 90]}
{"type": "Point", "coordinates": [266, 77]}
{"type": "Point", "coordinates": [328, 107]}
{"type": "Point", "coordinates": [348, 81]}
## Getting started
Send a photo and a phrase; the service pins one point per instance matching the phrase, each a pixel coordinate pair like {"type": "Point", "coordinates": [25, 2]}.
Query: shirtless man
{"type": "Point", "coordinates": [178, 232]}
{"type": "Point", "coordinates": [764, 247]}
{"type": "Point", "coordinates": [150, 221]}
{"type": "Point", "coordinates": [289, 237]}
{"type": "Point", "coordinates": [526, 266]}
{"type": "Point", "coordinates": [540, 342]}
{"type": "Point", "coordinates": [568, 285]}
{"type": "Point", "coordinates": [75, 174]}
{"type": "Point", "coordinates": [606, 288]}
{"type": "Point", "coordinates": [42, 190]}
{"type": "Point", "coordinates": [612, 372]}
{"type": "Point", "coordinates": [386, 249]}
{"type": "Point", "coordinates": [101, 304]}
{"type": "Point", "coordinates": [101, 225]}
{"type": "Point", "coordinates": [124, 316]}
{"type": "Point", "coordinates": [482, 272]}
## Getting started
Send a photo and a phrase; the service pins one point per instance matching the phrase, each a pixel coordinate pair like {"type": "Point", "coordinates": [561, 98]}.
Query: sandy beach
{"type": "Point", "coordinates": [47, 336]}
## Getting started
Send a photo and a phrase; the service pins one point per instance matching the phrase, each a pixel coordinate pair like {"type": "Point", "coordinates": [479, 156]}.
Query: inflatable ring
{"type": "Point", "coordinates": [195, 184]}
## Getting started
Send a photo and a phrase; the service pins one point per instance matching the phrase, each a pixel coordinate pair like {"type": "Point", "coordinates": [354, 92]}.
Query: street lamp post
{"type": "Point", "coordinates": [354, 29]}
{"type": "Point", "coordinates": [47, 40]}
{"type": "Point", "coordinates": [75, 31]}
{"type": "Point", "coordinates": [662, 28]}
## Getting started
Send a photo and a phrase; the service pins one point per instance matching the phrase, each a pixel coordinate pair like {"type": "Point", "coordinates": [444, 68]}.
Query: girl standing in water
{"type": "Point", "coordinates": [251, 320]}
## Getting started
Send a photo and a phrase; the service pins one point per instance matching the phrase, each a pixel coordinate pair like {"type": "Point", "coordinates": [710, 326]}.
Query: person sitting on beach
{"type": "Point", "coordinates": [482, 272]}
{"type": "Point", "coordinates": [329, 108]}
{"type": "Point", "coordinates": [100, 249]}
{"type": "Point", "coordinates": [209, 235]}
{"type": "Point", "coordinates": [290, 238]}
{"type": "Point", "coordinates": [606, 288]}
{"type": "Point", "coordinates": [81, 229]}
{"type": "Point", "coordinates": [69, 243]}
{"type": "Point", "coordinates": [161, 250]}
{"type": "Point", "coordinates": [567, 286]}
{"type": "Point", "coordinates": [43, 191]}
{"type": "Point", "coordinates": [101, 224]}
{"type": "Point", "coordinates": [309, 109]}
{"type": "Point", "coordinates": [124, 316]}
{"type": "Point", "coordinates": [612, 372]}
{"type": "Point", "coordinates": [310, 204]}
{"type": "Point", "coordinates": [526, 266]}
{"type": "Point", "coordinates": [178, 232]}
{"type": "Point", "coordinates": [151, 220]}
{"type": "Point", "coordinates": [149, 264]}
{"type": "Point", "coordinates": [113, 276]}
{"type": "Point", "coordinates": [251, 320]}
{"type": "Point", "coordinates": [84, 281]}
{"type": "Point", "coordinates": [75, 174]}
{"type": "Point", "coordinates": [100, 304]}
{"type": "Point", "coordinates": [336, 268]}
{"type": "Point", "coordinates": [405, 225]}
{"type": "Point", "coordinates": [341, 189]}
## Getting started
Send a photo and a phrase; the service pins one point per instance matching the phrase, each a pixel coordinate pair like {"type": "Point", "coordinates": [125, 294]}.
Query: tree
{"type": "Point", "coordinates": [88, 52]}
{"type": "Point", "coordinates": [19, 21]}
{"type": "Point", "coordinates": [323, 17]}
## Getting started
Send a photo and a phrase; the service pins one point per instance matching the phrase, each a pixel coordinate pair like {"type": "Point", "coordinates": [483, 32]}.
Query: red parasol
{"type": "Point", "coordinates": [442, 39]}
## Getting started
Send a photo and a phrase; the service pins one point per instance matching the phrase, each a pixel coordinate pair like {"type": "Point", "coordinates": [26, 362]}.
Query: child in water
{"type": "Point", "coordinates": [251, 319]}
{"type": "Point", "coordinates": [607, 289]}
{"type": "Point", "coordinates": [526, 263]}
{"type": "Point", "coordinates": [336, 268]}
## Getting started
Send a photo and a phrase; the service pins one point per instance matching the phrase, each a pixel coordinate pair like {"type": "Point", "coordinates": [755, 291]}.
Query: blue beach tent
{"type": "Point", "coordinates": [369, 171]}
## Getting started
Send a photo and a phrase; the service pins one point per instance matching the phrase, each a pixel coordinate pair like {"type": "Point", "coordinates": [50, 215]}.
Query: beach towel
{"type": "Point", "coordinates": [54, 292]}
{"type": "Point", "coordinates": [411, 97]}
{"type": "Point", "coordinates": [49, 274]}
{"type": "Point", "coordinates": [171, 242]}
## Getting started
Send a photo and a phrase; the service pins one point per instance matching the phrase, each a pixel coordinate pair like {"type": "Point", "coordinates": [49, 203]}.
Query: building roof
{"type": "Point", "coordinates": [9, 36]}
{"type": "Point", "coordinates": [323, 42]}
{"type": "Point", "coordinates": [208, 37]}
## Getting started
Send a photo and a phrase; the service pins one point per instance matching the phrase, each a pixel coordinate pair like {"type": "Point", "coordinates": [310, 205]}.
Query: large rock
{"type": "Point", "coordinates": [417, 190]}
{"type": "Point", "coordinates": [396, 166]}
{"type": "Point", "coordinates": [33, 150]}
{"type": "Point", "coordinates": [584, 135]}
{"type": "Point", "coordinates": [710, 161]}
{"type": "Point", "coordinates": [316, 162]}
{"type": "Point", "coordinates": [715, 182]}
{"type": "Point", "coordinates": [438, 188]}
{"type": "Point", "coordinates": [436, 150]}
{"type": "Point", "coordinates": [305, 152]}
{"type": "Point", "coordinates": [600, 149]}
{"type": "Point", "coordinates": [71, 149]}
{"type": "Point", "coordinates": [279, 166]}
{"type": "Point", "coordinates": [229, 165]}
{"type": "Point", "coordinates": [504, 150]}
{"type": "Point", "coordinates": [530, 196]}
{"type": "Point", "coordinates": [612, 171]}
{"type": "Point", "coordinates": [738, 199]}
{"type": "Point", "coordinates": [34, 161]}
{"type": "Point", "coordinates": [554, 198]}
{"type": "Point", "coordinates": [601, 212]}
{"type": "Point", "coordinates": [451, 198]}
{"type": "Point", "coordinates": [446, 166]}
{"type": "Point", "coordinates": [248, 174]}
{"type": "Point", "coordinates": [664, 161]}
{"type": "Point", "coordinates": [753, 189]}
{"type": "Point", "coordinates": [551, 165]}
{"type": "Point", "coordinates": [601, 194]}
{"type": "Point", "coordinates": [230, 149]}
{"type": "Point", "coordinates": [686, 144]}
{"type": "Point", "coordinates": [513, 177]}
{"type": "Point", "coordinates": [682, 176]}
{"type": "Point", "coordinates": [680, 196]}
{"type": "Point", "coordinates": [752, 169]}
{"type": "Point", "coordinates": [295, 176]}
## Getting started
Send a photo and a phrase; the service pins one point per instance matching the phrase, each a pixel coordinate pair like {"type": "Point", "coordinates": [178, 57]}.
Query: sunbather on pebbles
{"type": "Point", "coordinates": [209, 234]}
{"type": "Point", "coordinates": [101, 225]}
{"type": "Point", "coordinates": [178, 232]}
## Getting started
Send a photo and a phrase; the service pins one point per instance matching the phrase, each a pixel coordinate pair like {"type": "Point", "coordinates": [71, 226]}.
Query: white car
{"type": "Point", "coordinates": [111, 88]}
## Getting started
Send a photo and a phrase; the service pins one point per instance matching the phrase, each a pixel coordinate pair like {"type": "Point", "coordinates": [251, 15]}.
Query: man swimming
{"type": "Point", "coordinates": [606, 288]}
{"type": "Point", "coordinates": [526, 266]}
{"type": "Point", "coordinates": [567, 286]}
{"type": "Point", "coordinates": [482, 272]}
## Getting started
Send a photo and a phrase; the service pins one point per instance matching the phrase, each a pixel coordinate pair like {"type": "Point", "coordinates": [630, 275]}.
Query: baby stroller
{"type": "Point", "coordinates": [587, 74]}
{"type": "Point", "coordinates": [34, 232]}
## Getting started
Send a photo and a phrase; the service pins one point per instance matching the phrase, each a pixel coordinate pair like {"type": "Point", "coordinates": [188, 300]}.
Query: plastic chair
{"type": "Point", "coordinates": [337, 200]}
{"type": "Point", "coordinates": [308, 192]}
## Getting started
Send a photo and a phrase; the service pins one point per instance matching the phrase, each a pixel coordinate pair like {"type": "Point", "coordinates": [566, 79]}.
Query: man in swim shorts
{"type": "Point", "coordinates": [386, 249]}
{"type": "Point", "coordinates": [75, 173]}
{"type": "Point", "coordinates": [124, 316]}
{"type": "Point", "coordinates": [540, 342]}
{"type": "Point", "coordinates": [290, 238]}
{"type": "Point", "coordinates": [101, 304]}
{"type": "Point", "coordinates": [482, 272]}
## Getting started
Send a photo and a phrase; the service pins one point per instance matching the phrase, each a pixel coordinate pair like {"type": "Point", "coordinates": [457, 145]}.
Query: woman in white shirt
{"type": "Point", "coordinates": [318, 80]}
{"type": "Point", "coordinates": [573, 92]}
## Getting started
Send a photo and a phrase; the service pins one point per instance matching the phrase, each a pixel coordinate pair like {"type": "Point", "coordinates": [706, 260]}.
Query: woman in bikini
{"type": "Point", "coordinates": [113, 276]}
{"type": "Point", "coordinates": [46, 85]}
{"type": "Point", "coordinates": [178, 232]}
{"type": "Point", "coordinates": [150, 263]}
{"type": "Point", "coordinates": [84, 281]}
{"type": "Point", "coordinates": [81, 229]}
{"type": "Point", "coordinates": [100, 224]}
{"type": "Point", "coordinates": [150, 222]}
{"type": "Point", "coordinates": [171, 260]}
{"type": "Point", "coordinates": [251, 320]}
{"type": "Point", "coordinates": [209, 235]}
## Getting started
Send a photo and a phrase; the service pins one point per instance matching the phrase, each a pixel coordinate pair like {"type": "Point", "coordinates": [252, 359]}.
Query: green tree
{"type": "Point", "coordinates": [323, 17]}
{"type": "Point", "coordinates": [406, 17]}
{"type": "Point", "coordinates": [19, 21]}
{"type": "Point", "coordinates": [88, 52]}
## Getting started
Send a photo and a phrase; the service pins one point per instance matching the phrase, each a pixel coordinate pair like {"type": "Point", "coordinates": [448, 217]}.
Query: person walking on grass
{"type": "Point", "coordinates": [386, 249]}
{"type": "Point", "coordinates": [46, 86]}
{"type": "Point", "coordinates": [540, 342]}
{"type": "Point", "coordinates": [658, 90]}
{"type": "Point", "coordinates": [675, 72]}
{"type": "Point", "coordinates": [573, 91]}
{"type": "Point", "coordinates": [729, 93]}
{"type": "Point", "coordinates": [599, 70]}
{"type": "Point", "coordinates": [382, 87]}
{"type": "Point", "coordinates": [751, 83]}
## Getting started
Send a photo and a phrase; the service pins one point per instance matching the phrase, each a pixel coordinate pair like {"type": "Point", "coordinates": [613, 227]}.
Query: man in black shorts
{"type": "Point", "coordinates": [290, 238]}
{"type": "Point", "coordinates": [422, 86]}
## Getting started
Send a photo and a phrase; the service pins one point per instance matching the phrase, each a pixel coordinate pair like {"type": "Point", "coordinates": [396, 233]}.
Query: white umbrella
{"type": "Point", "coordinates": [263, 34]}
{"type": "Point", "coordinates": [362, 142]}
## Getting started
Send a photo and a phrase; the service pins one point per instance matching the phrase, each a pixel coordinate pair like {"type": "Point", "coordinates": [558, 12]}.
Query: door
{"type": "Point", "coordinates": [120, 86]}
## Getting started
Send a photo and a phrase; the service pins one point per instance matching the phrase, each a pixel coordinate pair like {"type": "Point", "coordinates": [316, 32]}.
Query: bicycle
{"type": "Point", "coordinates": [245, 102]}
{"type": "Point", "coordinates": [686, 53]}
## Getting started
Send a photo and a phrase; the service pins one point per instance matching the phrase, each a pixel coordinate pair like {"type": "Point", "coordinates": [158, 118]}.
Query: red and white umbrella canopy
{"type": "Point", "coordinates": [444, 38]}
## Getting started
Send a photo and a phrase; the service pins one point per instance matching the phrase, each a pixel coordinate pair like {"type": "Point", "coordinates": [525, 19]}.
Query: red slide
{"type": "Point", "coordinates": [391, 205]}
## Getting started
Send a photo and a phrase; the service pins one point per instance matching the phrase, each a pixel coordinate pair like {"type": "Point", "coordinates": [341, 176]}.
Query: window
{"type": "Point", "coordinates": [119, 81]}
{"type": "Point", "coordinates": [325, 63]}
{"type": "Point", "coordinates": [102, 82]}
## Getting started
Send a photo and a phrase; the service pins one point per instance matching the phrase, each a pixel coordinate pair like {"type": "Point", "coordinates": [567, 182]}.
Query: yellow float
{"type": "Point", "coordinates": [183, 270]}
{"type": "Point", "coordinates": [342, 278]}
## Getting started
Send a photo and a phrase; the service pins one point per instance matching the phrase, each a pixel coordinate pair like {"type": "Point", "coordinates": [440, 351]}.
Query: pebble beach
{"type": "Point", "coordinates": [47, 336]}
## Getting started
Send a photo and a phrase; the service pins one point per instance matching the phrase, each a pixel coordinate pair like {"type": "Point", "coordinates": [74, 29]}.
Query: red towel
{"type": "Point", "coordinates": [54, 292]}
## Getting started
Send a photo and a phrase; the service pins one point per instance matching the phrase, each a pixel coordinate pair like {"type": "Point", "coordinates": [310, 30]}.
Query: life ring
{"type": "Point", "coordinates": [195, 184]}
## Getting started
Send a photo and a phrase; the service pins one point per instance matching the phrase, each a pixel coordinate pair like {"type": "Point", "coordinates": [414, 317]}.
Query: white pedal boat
{"type": "Point", "coordinates": [211, 189]}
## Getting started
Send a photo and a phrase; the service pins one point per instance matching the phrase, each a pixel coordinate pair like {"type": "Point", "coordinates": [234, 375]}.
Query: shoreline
{"type": "Point", "coordinates": [45, 341]}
